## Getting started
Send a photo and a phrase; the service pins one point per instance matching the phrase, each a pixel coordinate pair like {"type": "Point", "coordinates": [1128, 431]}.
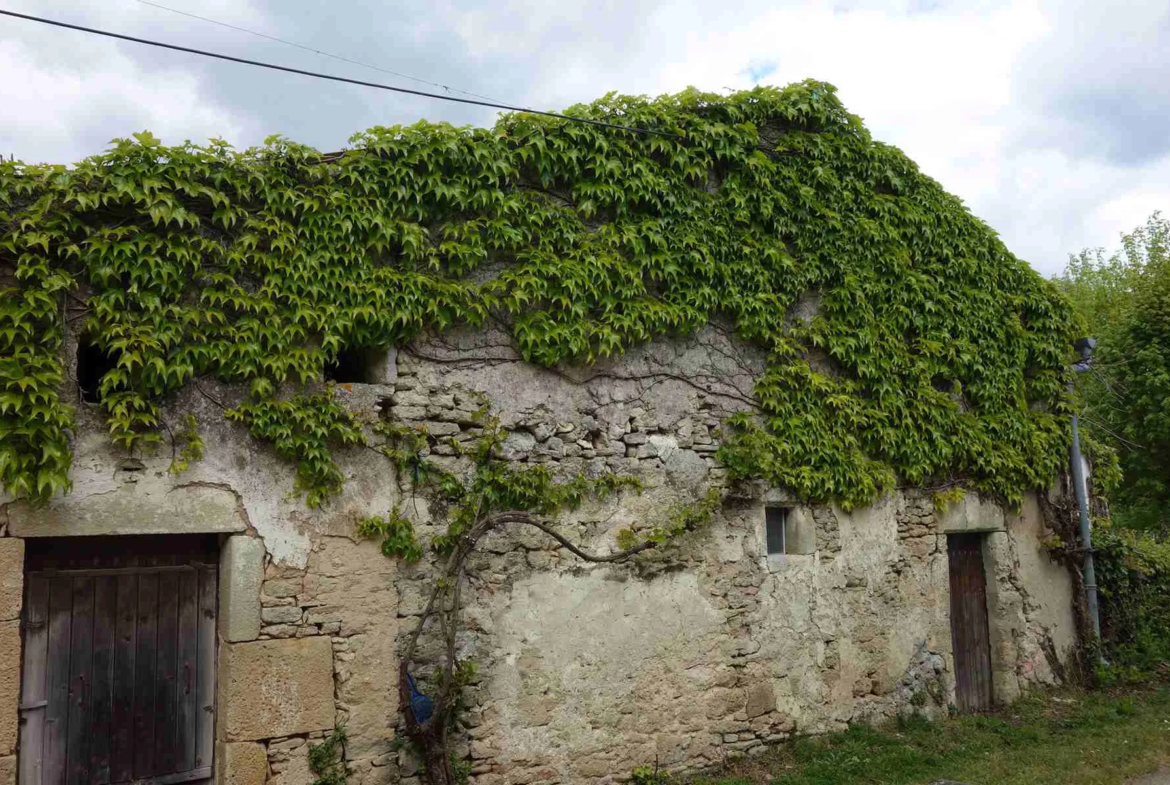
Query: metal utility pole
{"type": "Point", "coordinates": [1085, 347]}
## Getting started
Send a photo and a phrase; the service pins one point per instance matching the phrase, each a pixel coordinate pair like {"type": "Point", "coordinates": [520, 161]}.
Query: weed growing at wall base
{"type": "Point", "coordinates": [1065, 736]}
{"type": "Point", "coordinates": [327, 759]}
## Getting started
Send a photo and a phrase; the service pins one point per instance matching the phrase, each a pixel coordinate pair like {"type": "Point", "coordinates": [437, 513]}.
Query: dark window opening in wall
{"type": "Point", "coordinates": [92, 364]}
{"type": "Point", "coordinates": [775, 522]}
{"type": "Point", "coordinates": [351, 366]}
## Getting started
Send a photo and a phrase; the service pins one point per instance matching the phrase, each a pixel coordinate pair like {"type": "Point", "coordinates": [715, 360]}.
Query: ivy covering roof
{"type": "Point", "coordinates": [935, 356]}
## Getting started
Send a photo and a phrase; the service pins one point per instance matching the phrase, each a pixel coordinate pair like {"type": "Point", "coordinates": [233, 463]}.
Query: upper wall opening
{"type": "Point", "coordinates": [92, 364]}
{"type": "Point", "coordinates": [361, 365]}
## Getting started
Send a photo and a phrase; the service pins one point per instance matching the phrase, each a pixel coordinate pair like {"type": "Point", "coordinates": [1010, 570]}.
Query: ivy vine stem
{"type": "Point", "coordinates": [431, 735]}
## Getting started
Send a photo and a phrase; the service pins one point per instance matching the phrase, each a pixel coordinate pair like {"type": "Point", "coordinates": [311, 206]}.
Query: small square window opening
{"type": "Point", "coordinates": [349, 367]}
{"type": "Point", "coordinates": [361, 365]}
{"type": "Point", "coordinates": [775, 523]}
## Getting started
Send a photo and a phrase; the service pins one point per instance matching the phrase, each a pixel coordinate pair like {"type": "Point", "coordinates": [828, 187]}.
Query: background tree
{"type": "Point", "coordinates": [1124, 301]}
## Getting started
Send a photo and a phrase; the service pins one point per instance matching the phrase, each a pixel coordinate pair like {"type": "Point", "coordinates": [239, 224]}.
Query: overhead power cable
{"type": "Point", "coordinates": [343, 79]}
{"type": "Point", "coordinates": [314, 50]}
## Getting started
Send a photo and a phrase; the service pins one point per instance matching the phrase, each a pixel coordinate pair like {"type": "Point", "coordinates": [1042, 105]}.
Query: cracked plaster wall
{"type": "Point", "coordinates": [587, 671]}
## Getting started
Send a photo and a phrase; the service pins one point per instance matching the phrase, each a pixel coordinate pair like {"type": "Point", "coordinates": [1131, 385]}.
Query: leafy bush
{"type": "Point", "coordinates": [1133, 576]}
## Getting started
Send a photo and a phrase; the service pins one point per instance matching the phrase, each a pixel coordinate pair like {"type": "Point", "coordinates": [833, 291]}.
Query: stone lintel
{"type": "Point", "coordinates": [132, 508]}
{"type": "Point", "coordinates": [972, 514]}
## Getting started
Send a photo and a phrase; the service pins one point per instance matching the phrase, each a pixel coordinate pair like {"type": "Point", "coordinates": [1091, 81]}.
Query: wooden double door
{"type": "Point", "coordinates": [119, 661]}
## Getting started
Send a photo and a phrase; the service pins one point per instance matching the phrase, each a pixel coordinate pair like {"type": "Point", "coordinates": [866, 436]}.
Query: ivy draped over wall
{"type": "Point", "coordinates": [934, 354]}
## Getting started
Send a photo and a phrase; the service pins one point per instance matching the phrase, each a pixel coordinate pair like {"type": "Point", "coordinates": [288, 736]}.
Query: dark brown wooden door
{"type": "Point", "coordinates": [119, 673]}
{"type": "Point", "coordinates": [969, 622]}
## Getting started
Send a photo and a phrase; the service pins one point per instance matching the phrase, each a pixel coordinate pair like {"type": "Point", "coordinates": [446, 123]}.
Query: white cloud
{"type": "Point", "coordinates": [111, 93]}
{"type": "Point", "coordinates": [1048, 118]}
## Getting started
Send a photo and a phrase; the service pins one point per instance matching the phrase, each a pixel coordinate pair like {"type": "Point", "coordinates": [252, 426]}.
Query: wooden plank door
{"type": "Point", "coordinates": [969, 622]}
{"type": "Point", "coordinates": [34, 682]}
{"type": "Point", "coordinates": [119, 675]}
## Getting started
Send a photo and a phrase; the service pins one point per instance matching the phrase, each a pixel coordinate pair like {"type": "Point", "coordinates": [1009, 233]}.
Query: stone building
{"type": "Point", "coordinates": [274, 623]}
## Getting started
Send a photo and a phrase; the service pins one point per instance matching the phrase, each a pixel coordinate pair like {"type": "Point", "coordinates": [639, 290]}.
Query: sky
{"type": "Point", "coordinates": [1051, 120]}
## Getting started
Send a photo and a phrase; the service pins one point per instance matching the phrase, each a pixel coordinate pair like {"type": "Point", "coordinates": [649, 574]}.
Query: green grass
{"type": "Point", "coordinates": [1097, 738]}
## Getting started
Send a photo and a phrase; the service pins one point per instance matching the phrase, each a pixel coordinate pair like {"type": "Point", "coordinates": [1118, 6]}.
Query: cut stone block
{"type": "Point", "coordinates": [275, 688]}
{"type": "Point", "coordinates": [11, 577]}
{"type": "Point", "coordinates": [245, 763]}
{"type": "Point", "coordinates": [241, 571]}
{"type": "Point", "coordinates": [9, 684]}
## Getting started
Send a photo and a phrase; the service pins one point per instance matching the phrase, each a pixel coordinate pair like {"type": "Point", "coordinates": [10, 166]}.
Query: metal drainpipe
{"type": "Point", "coordinates": [1085, 346]}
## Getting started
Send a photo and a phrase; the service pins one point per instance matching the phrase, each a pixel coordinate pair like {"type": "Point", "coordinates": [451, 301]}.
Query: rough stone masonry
{"type": "Point", "coordinates": [713, 649]}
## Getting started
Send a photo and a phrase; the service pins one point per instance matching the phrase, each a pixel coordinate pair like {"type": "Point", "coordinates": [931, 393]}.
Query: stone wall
{"type": "Point", "coordinates": [713, 648]}
{"type": "Point", "coordinates": [11, 591]}
{"type": "Point", "coordinates": [324, 654]}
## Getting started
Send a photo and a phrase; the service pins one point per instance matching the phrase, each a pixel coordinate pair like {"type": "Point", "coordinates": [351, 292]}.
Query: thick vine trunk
{"type": "Point", "coordinates": [430, 737]}
{"type": "Point", "coordinates": [438, 764]}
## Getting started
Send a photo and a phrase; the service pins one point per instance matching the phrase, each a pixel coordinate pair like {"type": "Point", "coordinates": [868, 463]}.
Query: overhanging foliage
{"type": "Point", "coordinates": [934, 353]}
